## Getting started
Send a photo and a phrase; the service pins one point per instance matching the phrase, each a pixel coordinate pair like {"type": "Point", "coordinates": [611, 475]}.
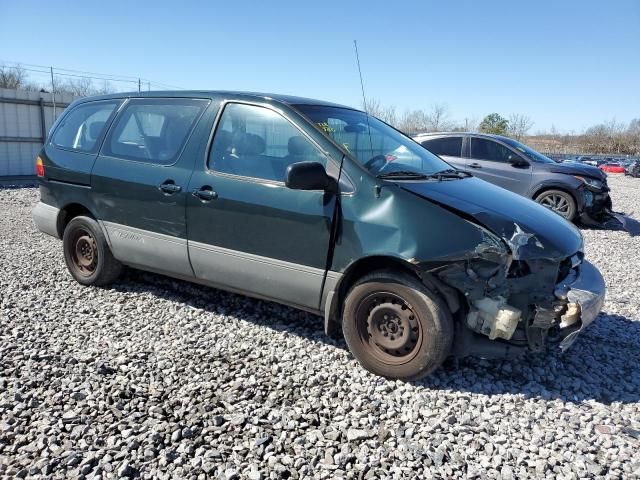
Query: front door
{"type": "Point", "coordinates": [246, 230]}
{"type": "Point", "coordinates": [139, 182]}
{"type": "Point", "coordinates": [498, 164]}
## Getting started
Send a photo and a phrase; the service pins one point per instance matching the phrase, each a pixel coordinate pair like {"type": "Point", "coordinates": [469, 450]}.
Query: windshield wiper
{"type": "Point", "coordinates": [409, 175]}
{"type": "Point", "coordinates": [450, 173]}
{"type": "Point", "coordinates": [399, 174]}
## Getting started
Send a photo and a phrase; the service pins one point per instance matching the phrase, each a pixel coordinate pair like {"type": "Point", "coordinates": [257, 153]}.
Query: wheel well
{"type": "Point", "coordinates": [550, 187]}
{"type": "Point", "coordinates": [356, 271]}
{"type": "Point", "coordinates": [69, 212]}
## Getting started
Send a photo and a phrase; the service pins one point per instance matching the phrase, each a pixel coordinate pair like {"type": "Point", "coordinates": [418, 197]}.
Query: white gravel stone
{"type": "Point", "coordinates": [159, 378]}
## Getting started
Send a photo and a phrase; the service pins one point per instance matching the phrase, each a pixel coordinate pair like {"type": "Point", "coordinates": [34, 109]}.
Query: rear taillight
{"type": "Point", "coordinates": [39, 167]}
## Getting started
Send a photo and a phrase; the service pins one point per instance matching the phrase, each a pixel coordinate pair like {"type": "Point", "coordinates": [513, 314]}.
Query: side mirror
{"type": "Point", "coordinates": [308, 176]}
{"type": "Point", "coordinates": [518, 162]}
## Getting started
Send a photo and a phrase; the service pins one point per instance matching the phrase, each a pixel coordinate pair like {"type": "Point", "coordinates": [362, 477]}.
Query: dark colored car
{"type": "Point", "coordinates": [633, 169]}
{"type": "Point", "coordinates": [573, 190]}
{"type": "Point", "coordinates": [302, 202]}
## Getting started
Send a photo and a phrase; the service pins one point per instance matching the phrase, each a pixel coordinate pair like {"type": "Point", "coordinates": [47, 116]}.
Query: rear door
{"type": "Point", "coordinates": [496, 163]}
{"type": "Point", "coordinates": [247, 231]}
{"type": "Point", "coordinates": [140, 180]}
{"type": "Point", "coordinates": [448, 148]}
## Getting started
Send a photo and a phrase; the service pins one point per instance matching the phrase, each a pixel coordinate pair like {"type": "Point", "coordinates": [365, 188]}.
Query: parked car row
{"type": "Point", "coordinates": [598, 161]}
{"type": "Point", "coordinates": [324, 208]}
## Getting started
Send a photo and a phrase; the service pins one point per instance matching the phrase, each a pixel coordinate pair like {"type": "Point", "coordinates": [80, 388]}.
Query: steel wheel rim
{"type": "Point", "coordinates": [556, 202]}
{"type": "Point", "coordinates": [389, 327]}
{"type": "Point", "coordinates": [84, 253]}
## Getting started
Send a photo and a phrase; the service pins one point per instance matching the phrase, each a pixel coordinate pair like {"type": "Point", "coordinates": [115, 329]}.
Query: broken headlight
{"type": "Point", "coordinates": [492, 248]}
{"type": "Point", "coordinates": [592, 182]}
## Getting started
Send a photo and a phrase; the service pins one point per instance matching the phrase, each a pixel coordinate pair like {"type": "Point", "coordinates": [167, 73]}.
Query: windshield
{"type": "Point", "coordinates": [529, 152]}
{"type": "Point", "coordinates": [378, 147]}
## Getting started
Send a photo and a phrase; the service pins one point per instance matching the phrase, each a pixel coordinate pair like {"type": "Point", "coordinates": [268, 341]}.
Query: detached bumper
{"type": "Point", "coordinates": [585, 291]}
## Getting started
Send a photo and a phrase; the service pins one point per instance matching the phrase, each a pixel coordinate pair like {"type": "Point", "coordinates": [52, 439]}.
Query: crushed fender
{"type": "Point", "coordinates": [516, 297]}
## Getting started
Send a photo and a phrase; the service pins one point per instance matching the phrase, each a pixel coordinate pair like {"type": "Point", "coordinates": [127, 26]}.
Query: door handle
{"type": "Point", "coordinates": [169, 187]}
{"type": "Point", "coordinates": [205, 194]}
{"type": "Point", "coordinates": [475, 165]}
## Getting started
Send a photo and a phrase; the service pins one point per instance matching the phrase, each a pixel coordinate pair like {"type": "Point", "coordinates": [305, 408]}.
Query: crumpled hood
{"type": "Point", "coordinates": [531, 230]}
{"type": "Point", "coordinates": [577, 169]}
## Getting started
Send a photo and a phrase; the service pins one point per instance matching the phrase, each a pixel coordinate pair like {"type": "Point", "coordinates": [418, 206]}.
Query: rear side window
{"type": "Point", "coordinates": [256, 142]}
{"type": "Point", "coordinates": [483, 149]}
{"type": "Point", "coordinates": [154, 130]}
{"type": "Point", "coordinates": [81, 128]}
{"type": "Point", "coordinates": [445, 146]}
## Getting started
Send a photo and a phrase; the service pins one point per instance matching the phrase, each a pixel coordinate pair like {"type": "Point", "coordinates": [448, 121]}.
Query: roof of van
{"type": "Point", "coordinates": [226, 94]}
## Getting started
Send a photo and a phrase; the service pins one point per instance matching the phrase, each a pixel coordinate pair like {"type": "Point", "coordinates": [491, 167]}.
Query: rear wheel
{"type": "Point", "coordinates": [396, 327]}
{"type": "Point", "coordinates": [87, 254]}
{"type": "Point", "coordinates": [558, 201]}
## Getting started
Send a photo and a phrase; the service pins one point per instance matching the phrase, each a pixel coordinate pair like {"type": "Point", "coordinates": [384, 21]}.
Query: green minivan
{"type": "Point", "coordinates": [317, 206]}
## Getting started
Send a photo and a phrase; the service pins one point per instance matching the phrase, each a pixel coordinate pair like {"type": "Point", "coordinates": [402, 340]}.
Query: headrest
{"type": "Point", "coordinates": [222, 140]}
{"type": "Point", "coordinates": [248, 144]}
{"type": "Point", "coordinates": [95, 129]}
{"type": "Point", "coordinates": [298, 145]}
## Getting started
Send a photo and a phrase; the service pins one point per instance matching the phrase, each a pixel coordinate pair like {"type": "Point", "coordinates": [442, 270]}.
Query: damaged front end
{"type": "Point", "coordinates": [598, 212]}
{"type": "Point", "coordinates": [519, 294]}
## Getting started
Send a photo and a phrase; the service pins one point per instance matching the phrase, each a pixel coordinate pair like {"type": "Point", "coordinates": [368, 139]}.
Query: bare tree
{"type": "Point", "coordinates": [105, 88]}
{"type": "Point", "coordinates": [372, 106]}
{"type": "Point", "coordinates": [15, 78]}
{"type": "Point", "coordinates": [387, 114]}
{"type": "Point", "coordinates": [471, 124]}
{"type": "Point", "coordinates": [80, 87]}
{"type": "Point", "coordinates": [413, 121]}
{"type": "Point", "coordinates": [608, 137]}
{"type": "Point", "coordinates": [519, 125]}
{"type": "Point", "coordinates": [437, 119]}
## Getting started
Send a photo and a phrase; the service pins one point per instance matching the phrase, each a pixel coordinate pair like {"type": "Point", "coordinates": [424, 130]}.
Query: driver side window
{"type": "Point", "coordinates": [483, 149]}
{"type": "Point", "coordinates": [257, 142]}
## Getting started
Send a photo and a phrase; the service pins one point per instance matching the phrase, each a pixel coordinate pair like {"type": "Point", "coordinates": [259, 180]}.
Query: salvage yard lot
{"type": "Point", "coordinates": [160, 378]}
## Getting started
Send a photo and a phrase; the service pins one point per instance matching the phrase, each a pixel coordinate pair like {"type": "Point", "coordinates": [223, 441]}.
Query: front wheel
{"type": "Point", "coordinates": [396, 327]}
{"type": "Point", "coordinates": [87, 254]}
{"type": "Point", "coordinates": [558, 201]}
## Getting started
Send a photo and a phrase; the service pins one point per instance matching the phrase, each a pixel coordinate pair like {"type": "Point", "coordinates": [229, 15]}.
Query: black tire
{"type": "Point", "coordinates": [374, 310]}
{"type": "Point", "coordinates": [87, 253]}
{"type": "Point", "coordinates": [558, 201]}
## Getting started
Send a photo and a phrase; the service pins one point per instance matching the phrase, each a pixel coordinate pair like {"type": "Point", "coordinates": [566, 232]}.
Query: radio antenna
{"type": "Point", "coordinates": [364, 98]}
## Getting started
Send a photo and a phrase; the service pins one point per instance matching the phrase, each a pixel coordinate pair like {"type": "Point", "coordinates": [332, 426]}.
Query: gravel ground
{"type": "Point", "coordinates": [163, 379]}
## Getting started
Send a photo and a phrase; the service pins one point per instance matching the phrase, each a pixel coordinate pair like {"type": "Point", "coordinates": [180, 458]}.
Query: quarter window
{"type": "Point", "coordinates": [445, 146]}
{"type": "Point", "coordinates": [81, 128]}
{"type": "Point", "coordinates": [483, 149]}
{"type": "Point", "coordinates": [257, 142]}
{"type": "Point", "coordinates": [154, 130]}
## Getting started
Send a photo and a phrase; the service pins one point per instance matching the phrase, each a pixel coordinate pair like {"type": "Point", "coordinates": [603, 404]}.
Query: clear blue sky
{"type": "Point", "coordinates": [565, 63]}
